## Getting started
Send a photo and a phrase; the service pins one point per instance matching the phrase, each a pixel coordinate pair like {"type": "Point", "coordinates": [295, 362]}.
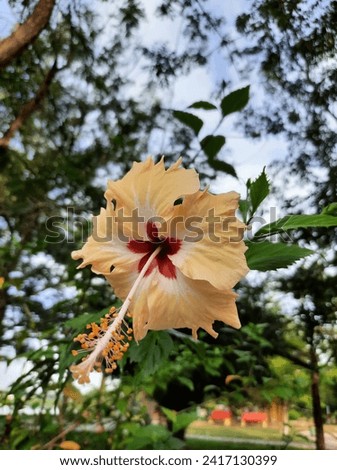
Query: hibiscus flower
{"type": "Point", "coordinates": [171, 252]}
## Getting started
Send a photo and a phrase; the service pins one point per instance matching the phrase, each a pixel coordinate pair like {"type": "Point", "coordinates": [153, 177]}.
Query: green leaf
{"type": "Point", "coordinates": [181, 419]}
{"type": "Point", "coordinates": [203, 105]}
{"type": "Point", "coordinates": [266, 256]}
{"type": "Point", "coordinates": [187, 382]}
{"type": "Point", "coordinates": [222, 166]}
{"type": "Point", "coordinates": [244, 208]}
{"type": "Point", "coordinates": [151, 351]}
{"type": "Point", "coordinates": [189, 120]}
{"type": "Point", "coordinates": [151, 436]}
{"type": "Point", "coordinates": [212, 144]}
{"type": "Point", "coordinates": [65, 359]}
{"type": "Point", "coordinates": [80, 322]}
{"type": "Point", "coordinates": [235, 101]}
{"type": "Point", "coordinates": [331, 209]}
{"type": "Point", "coordinates": [258, 191]}
{"type": "Point", "coordinates": [184, 419]}
{"type": "Point", "coordinates": [293, 222]}
{"type": "Point", "coordinates": [256, 333]}
{"type": "Point", "coordinates": [171, 415]}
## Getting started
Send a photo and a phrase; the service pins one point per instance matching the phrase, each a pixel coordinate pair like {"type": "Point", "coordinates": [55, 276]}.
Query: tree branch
{"type": "Point", "coordinates": [12, 46]}
{"type": "Point", "coordinates": [28, 108]}
{"type": "Point", "coordinates": [49, 445]}
{"type": "Point", "coordinates": [295, 360]}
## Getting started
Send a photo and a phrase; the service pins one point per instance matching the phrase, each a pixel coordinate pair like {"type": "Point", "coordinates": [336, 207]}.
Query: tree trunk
{"type": "Point", "coordinates": [26, 33]}
{"type": "Point", "coordinates": [316, 402]}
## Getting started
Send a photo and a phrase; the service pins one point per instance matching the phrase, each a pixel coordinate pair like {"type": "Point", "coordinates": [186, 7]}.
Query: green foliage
{"type": "Point", "coordinates": [266, 256]}
{"type": "Point", "coordinates": [225, 167]}
{"type": "Point", "coordinates": [255, 332]}
{"type": "Point", "coordinates": [153, 437]}
{"type": "Point", "coordinates": [152, 351]}
{"type": "Point", "coordinates": [257, 191]}
{"type": "Point", "coordinates": [212, 144]}
{"type": "Point", "coordinates": [203, 105]}
{"type": "Point", "coordinates": [77, 324]}
{"type": "Point", "coordinates": [189, 120]}
{"type": "Point", "coordinates": [179, 420]}
{"type": "Point", "coordinates": [295, 222]}
{"type": "Point", "coordinates": [331, 209]}
{"type": "Point", "coordinates": [235, 101]}
{"type": "Point", "coordinates": [287, 382]}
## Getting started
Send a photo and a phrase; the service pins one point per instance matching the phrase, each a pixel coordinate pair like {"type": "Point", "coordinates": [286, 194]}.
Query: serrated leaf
{"type": "Point", "coordinates": [235, 101]}
{"type": "Point", "coordinates": [203, 105]}
{"type": "Point", "coordinates": [151, 351]}
{"type": "Point", "coordinates": [293, 222]}
{"type": "Point", "coordinates": [190, 120]}
{"type": "Point", "coordinates": [267, 256]}
{"type": "Point", "coordinates": [212, 144]}
{"type": "Point", "coordinates": [258, 191]}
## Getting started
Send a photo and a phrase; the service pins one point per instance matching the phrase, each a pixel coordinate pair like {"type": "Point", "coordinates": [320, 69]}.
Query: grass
{"type": "Point", "coordinates": [251, 432]}
{"type": "Point", "coordinates": [245, 435]}
{"type": "Point", "coordinates": [201, 444]}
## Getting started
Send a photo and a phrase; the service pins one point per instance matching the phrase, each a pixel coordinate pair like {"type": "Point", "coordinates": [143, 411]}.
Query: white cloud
{"type": "Point", "coordinates": [10, 373]}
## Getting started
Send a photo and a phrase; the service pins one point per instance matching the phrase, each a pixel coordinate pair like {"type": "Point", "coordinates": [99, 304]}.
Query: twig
{"type": "Point", "coordinates": [53, 441]}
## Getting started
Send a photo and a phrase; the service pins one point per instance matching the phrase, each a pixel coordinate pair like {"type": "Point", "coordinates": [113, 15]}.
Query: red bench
{"type": "Point", "coordinates": [221, 416]}
{"type": "Point", "coordinates": [254, 417]}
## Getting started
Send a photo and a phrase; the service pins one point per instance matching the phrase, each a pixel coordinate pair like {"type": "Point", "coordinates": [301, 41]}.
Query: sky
{"type": "Point", "coordinates": [247, 156]}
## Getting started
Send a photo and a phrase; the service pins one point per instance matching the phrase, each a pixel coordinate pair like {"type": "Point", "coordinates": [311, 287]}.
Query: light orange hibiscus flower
{"type": "Point", "coordinates": [172, 252]}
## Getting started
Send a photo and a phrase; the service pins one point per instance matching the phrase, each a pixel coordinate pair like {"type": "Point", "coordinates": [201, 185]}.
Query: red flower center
{"type": "Point", "coordinates": [169, 246]}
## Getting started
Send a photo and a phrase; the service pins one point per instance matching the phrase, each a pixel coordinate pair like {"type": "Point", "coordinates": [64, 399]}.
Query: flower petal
{"type": "Point", "coordinates": [151, 189]}
{"type": "Point", "coordinates": [162, 303]}
{"type": "Point", "coordinates": [201, 202]}
{"type": "Point", "coordinates": [106, 249]}
{"type": "Point", "coordinates": [222, 264]}
{"type": "Point", "coordinates": [212, 248]}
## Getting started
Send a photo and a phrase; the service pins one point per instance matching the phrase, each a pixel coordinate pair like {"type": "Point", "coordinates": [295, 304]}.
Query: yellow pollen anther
{"type": "Point", "coordinates": [113, 351]}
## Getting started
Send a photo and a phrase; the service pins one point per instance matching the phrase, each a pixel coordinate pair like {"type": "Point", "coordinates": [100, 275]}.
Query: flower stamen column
{"type": "Point", "coordinates": [82, 370]}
